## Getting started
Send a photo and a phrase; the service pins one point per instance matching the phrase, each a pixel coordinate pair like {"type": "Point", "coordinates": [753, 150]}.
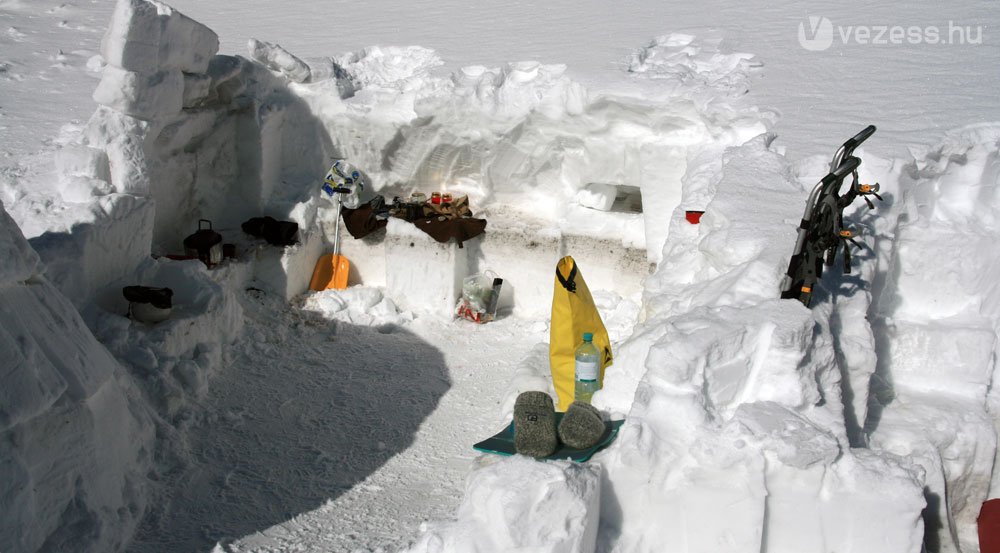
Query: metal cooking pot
{"type": "Point", "coordinates": [205, 244]}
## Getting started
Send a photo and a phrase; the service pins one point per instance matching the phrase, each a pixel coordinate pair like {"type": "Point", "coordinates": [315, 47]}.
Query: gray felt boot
{"type": "Point", "coordinates": [534, 424]}
{"type": "Point", "coordinates": [582, 426]}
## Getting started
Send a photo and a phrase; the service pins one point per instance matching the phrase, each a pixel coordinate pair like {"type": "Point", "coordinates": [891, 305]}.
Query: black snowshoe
{"type": "Point", "coordinates": [821, 232]}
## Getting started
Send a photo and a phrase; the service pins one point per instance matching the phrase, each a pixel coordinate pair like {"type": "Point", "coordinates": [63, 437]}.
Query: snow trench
{"type": "Point", "coordinates": [752, 423]}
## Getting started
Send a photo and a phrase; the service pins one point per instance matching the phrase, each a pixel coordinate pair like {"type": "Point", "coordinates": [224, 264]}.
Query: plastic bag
{"type": "Point", "coordinates": [344, 175]}
{"type": "Point", "coordinates": [480, 293]}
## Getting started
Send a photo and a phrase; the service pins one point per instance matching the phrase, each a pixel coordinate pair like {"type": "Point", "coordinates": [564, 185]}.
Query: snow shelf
{"type": "Point", "coordinates": [424, 275]}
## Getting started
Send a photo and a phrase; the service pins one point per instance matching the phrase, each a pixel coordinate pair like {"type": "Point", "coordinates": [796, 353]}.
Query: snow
{"type": "Point", "coordinates": [519, 503]}
{"type": "Point", "coordinates": [262, 417]}
{"type": "Point", "coordinates": [78, 437]}
{"type": "Point", "coordinates": [942, 352]}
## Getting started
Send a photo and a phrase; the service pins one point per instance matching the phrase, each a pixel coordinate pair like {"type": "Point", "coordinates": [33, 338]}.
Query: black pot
{"type": "Point", "coordinates": [205, 244]}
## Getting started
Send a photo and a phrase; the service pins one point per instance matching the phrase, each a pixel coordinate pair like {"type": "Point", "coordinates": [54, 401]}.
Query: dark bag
{"type": "Point", "coordinates": [277, 233]}
{"type": "Point", "coordinates": [362, 221]}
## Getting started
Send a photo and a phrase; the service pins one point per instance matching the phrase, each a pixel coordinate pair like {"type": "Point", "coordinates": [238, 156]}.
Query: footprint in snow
{"type": "Point", "coordinates": [15, 34]}
{"type": "Point", "coordinates": [61, 8]}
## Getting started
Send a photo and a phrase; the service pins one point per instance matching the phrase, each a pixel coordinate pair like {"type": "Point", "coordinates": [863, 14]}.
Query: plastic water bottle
{"type": "Point", "coordinates": [588, 369]}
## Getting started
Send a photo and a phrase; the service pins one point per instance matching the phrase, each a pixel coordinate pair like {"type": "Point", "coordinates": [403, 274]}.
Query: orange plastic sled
{"type": "Point", "coordinates": [331, 272]}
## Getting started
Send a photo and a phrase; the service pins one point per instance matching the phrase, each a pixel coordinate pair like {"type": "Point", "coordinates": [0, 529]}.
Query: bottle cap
{"type": "Point", "coordinates": [588, 336]}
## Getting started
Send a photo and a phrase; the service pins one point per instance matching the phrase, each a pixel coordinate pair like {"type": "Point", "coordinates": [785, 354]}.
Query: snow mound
{"type": "Point", "coordinates": [176, 357]}
{"type": "Point", "coordinates": [521, 504]}
{"type": "Point", "coordinates": [358, 305]}
{"type": "Point", "coordinates": [403, 69]}
{"type": "Point", "coordinates": [687, 64]}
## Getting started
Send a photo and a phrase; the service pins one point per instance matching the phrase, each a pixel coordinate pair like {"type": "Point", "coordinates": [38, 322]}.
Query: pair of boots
{"type": "Point", "coordinates": [535, 430]}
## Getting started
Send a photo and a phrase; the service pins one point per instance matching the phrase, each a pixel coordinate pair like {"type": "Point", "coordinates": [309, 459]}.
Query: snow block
{"type": "Point", "coordinates": [132, 41]}
{"type": "Point", "coordinates": [84, 161]}
{"type": "Point", "coordinates": [145, 96]}
{"type": "Point", "coordinates": [124, 139]}
{"type": "Point", "coordinates": [941, 358]}
{"type": "Point", "coordinates": [943, 276]}
{"type": "Point", "coordinates": [287, 271]}
{"type": "Point", "coordinates": [421, 274]}
{"type": "Point", "coordinates": [148, 36]}
{"type": "Point", "coordinates": [868, 486]}
{"type": "Point", "coordinates": [279, 60]}
{"type": "Point", "coordinates": [730, 258]}
{"type": "Point", "coordinates": [31, 382]}
{"type": "Point", "coordinates": [953, 439]}
{"type": "Point", "coordinates": [185, 44]}
{"type": "Point", "coordinates": [750, 355]}
{"type": "Point", "coordinates": [84, 172]}
{"type": "Point", "coordinates": [519, 504]}
{"type": "Point", "coordinates": [78, 189]}
{"type": "Point", "coordinates": [692, 497]}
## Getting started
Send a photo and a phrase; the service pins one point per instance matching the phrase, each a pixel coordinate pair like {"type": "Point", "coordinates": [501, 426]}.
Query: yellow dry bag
{"type": "Point", "coordinates": [573, 313]}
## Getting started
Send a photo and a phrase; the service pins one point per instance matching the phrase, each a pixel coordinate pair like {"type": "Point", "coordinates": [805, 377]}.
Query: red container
{"type": "Point", "coordinates": [435, 197]}
{"type": "Point", "coordinates": [989, 527]}
{"type": "Point", "coordinates": [693, 217]}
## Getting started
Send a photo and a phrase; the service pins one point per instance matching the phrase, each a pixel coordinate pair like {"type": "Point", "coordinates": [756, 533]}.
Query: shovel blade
{"type": "Point", "coordinates": [331, 272]}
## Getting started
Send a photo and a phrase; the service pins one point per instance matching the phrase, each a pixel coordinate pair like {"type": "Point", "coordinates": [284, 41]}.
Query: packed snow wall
{"type": "Point", "coordinates": [934, 398]}
{"type": "Point", "coordinates": [76, 438]}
